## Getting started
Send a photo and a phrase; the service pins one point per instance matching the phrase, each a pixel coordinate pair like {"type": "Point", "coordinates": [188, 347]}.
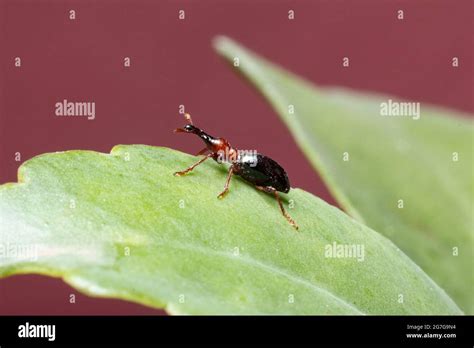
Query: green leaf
{"type": "Point", "coordinates": [121, 225]}
{"type": "Point", "coordinates": [390, 159]}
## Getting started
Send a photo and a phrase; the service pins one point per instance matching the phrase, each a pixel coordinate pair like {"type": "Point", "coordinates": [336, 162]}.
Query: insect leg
{"type": "Point", "coordinates": [202, 152]}
{"type": "Point", "coordinates": [287, 216]}
{"type": "Point", "coordinates": [227, 182]}
{"type": "Point", "coordinates": [187, 170]}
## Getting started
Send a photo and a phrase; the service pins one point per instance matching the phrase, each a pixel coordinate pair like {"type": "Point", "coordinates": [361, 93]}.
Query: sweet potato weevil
{"type": "Point", "coordinates": [261, 171]}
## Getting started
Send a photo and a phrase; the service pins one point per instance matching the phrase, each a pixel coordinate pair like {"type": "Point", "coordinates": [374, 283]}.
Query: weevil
{"type": "Point", "coordinates": [257, 169]}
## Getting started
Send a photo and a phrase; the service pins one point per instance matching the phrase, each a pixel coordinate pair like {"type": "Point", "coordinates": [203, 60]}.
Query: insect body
{"type": "Point", "coordinates": [259, 170]}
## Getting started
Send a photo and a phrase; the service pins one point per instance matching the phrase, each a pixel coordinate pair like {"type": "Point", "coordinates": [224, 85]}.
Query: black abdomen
{"type": "Point", "coordinates": [261, 170]}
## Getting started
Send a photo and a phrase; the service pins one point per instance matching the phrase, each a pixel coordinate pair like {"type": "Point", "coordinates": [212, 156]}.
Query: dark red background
{"type": "Point", "coordinates": [172, 63]}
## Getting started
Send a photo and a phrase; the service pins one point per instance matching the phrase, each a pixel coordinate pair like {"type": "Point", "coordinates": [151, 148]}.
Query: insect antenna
{"type": "Point", "coordinates": [188, 118]}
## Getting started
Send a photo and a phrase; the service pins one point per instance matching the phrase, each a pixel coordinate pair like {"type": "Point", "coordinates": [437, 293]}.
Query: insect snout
{"type": "Point", "coordinates": [189, 128]}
